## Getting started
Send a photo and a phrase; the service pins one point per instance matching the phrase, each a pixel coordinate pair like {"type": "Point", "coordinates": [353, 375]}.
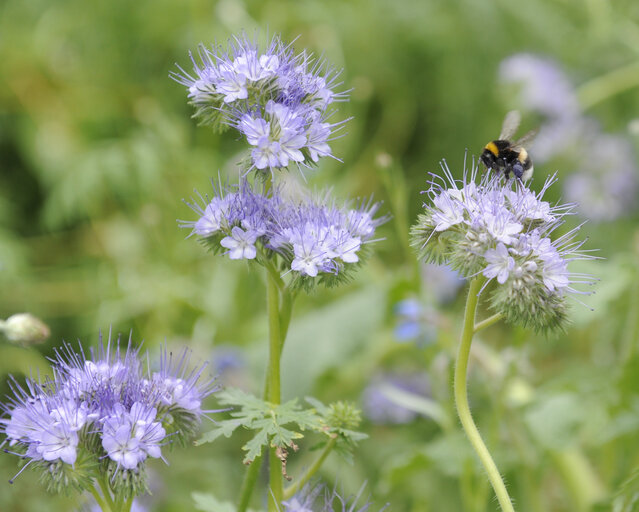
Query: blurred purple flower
{"type": "Point", "coordinates": [381, 409]}
{"type": "Point", "coordinates": [544, 87]}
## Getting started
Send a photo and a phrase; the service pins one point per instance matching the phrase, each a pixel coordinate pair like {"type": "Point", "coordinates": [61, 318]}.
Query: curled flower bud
{"type": "Point", "coordinates": [24, 328]}
{"type": "Point", "coordinates": [504, 231]}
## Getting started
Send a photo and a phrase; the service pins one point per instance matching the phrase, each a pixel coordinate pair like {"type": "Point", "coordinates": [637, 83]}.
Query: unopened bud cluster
{"type": "Point", "coordinates": [501, 229]}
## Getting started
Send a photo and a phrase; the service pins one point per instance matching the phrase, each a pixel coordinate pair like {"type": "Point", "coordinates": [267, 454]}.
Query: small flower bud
{"type": "Point", "coordinates": [26, 329]}
{"type": "Point", "coordinates": [344, 415]}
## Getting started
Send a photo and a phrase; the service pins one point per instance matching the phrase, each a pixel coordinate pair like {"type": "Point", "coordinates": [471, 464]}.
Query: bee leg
{"type": "Point", "coordinates": [518, 170]}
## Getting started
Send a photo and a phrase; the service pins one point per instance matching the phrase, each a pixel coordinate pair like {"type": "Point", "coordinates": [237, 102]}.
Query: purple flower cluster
{"type": "Point", "coordinates": [107, 413]}
{"type": "Point", "coordinates": [503, 230]}
{"type": "Point", "coordinates": [606, 177]}
{"type": "Point", "coordinates": [276, 99]}
{"type": "Point", "coordinates": [311, 237]}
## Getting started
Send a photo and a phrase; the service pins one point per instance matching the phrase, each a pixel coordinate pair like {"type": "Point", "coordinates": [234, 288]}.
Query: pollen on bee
{"type": "Point", "coordinates": [523, 154]}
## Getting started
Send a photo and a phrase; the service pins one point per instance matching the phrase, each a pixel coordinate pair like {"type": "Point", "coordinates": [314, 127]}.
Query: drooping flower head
{"type": "Point", "coordinates": [105, 414]}
{"type": "Point", "coordinates": [506, 232]}
{"type": "Point", "coordinates": [277, 99]}
{"type": "Point", "coordinates": [310, 237]}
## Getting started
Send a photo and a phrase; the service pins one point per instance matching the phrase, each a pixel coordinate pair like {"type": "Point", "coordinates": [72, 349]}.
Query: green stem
{"type": "Point", "coordinates": [286, 309]}
{"type": "Point", "coordinates": [273, 308]}
{"type": "Point", "coordinates": [488, 322]}
{"type": "Point", "coordinates": [106, 492]}
{"type": "Point", "coordinates": [99, 500]}
{"type": "Point", "coordinates": [605, 86]}
{"type": "Point", "coordinates": [126, 506]}
{"type": "Point", "coordinates": [582, 482]}
{"type": "Point", "coordinates": [250, 477]}
{"type": "Point", "coordinates": [292, 489]}
{"type": "Point", "coordinates": [461, 397]}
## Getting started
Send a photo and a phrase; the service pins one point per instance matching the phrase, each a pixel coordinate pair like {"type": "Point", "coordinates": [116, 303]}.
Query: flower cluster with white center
{"type": "Point", "coordinates": [311, 237]}
{"type": "Point", "coordinates": [108, 408]}
{"type": "Point", "coordinates": [504, 231]}
{"type": "Point", "coordinates": [276, 99]}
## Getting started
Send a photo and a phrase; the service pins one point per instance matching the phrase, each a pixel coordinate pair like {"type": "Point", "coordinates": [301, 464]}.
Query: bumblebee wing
{"type": "Point", "coordinates": [526, 140]}
{"type": "Point", "coordinates": [510, 125]}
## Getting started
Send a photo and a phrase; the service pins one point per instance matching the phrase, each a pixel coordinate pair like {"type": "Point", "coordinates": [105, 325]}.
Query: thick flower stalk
{"type": "Point", "coordinates": [504, 231]}
{"type": "Point", "coordinates": [310, 238]}
{"type": "Point", "coordinates": [277, 100]}
{"type": "Point", "coordinates": [96, 423]}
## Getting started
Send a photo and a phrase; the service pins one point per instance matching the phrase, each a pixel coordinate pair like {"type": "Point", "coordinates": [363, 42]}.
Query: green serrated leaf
{"type": "Point", "coordinates": [319, 406]}
{"type": "Point", "coordinates": [225, 428]}
{"type": "Point", "coordinates": [352, 435]}
{"type": "Point", "coordinates": [254, 446]}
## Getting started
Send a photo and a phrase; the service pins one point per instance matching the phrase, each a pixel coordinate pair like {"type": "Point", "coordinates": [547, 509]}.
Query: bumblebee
{"type": "Point", "coordinates": [504, 155]}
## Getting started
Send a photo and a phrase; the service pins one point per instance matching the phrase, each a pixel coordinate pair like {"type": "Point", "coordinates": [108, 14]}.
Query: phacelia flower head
{"type": "Point", "coordinates": [103, 414]}
{"type": "Point", "coordinates": [310, 238]}
{"type": "Point", "coordinates": [278, 100]}
{"type": "Point", "coordinates": [505, 232]}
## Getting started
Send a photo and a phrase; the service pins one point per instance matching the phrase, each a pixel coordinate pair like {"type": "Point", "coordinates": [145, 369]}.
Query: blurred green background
{"type": "Point", "coordinates": [97, 150]}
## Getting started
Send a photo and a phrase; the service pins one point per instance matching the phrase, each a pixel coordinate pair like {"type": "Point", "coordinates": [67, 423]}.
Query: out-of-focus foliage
{"type": "Point", "coordinates": [97, 149]}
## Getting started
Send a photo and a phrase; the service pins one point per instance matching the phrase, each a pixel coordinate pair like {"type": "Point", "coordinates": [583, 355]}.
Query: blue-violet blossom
{"type": "Point", "coordinates": [276, 99]}
{"type": "Point", "coordinates": [505, 231]}
{"type": "Point", "coordinates": [312, 237]}
{"type": "Point", "coordinates": [104, 415]}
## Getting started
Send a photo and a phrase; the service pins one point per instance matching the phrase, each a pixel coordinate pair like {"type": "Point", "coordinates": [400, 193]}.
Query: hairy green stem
{"type": "Point", "coordinates": [461, 397]}
{"type": "Point", "coordinates": [126, 506]}
{"type": "Point", "coordinates": [252, 472]}
{"type": "Point", "coordinates": [99, 500]}
{"type": "Point", "coordinates": [250, 477]}
{"type": "Point", "coordinates": [286, 309]}
{"type": "Point", "coordinates": [274, 335]}
{"type": "Point", "coordinates": [487, 322]}
{"type": "Point", "coordinates": [106, 492]}
{"type": "Point", "coordinates": [292, 489]}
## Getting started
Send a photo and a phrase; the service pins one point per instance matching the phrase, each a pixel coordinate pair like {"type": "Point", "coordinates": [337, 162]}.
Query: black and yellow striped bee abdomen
{"type": "Point", "coordinates": [501, 155]}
